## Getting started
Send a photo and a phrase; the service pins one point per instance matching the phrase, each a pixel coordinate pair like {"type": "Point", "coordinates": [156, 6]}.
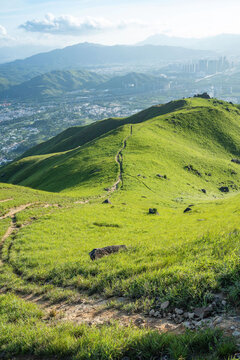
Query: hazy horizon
{"type": "Point", "coordinates": [53, 24]}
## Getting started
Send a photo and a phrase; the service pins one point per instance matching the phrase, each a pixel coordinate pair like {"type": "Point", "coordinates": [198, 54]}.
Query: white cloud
{"type": "Point", "coordinates": [70, 25]}
{"type": "Point", "coordinates": [3, 32]}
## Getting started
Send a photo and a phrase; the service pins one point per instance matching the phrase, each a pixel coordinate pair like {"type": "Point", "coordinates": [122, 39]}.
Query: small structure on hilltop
{"type": "Point", "coordinates": [203, 96]}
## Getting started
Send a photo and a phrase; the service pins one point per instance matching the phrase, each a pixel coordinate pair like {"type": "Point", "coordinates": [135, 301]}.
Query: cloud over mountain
{"type": "Point", "coordinates": [70, 25]}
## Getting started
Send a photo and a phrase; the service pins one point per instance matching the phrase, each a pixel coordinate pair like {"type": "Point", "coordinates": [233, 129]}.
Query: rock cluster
{"type": "Point", "coordinates": [190, 168]}
{"type": "Point", "coordinates": [224, 189]}
{"type": "Point", "coordinates": [236, 161]}
{"type": "Point", "coordinates": [162, 176]}
{"type": "Point", "coordinates": [195, 318]}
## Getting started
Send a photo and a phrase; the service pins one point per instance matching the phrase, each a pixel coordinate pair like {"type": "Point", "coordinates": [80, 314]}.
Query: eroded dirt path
{"type": "Point", "coordinates": [90, 310]}
{"type": "Point", "coordinates": [115, 186]}
{"type": "Point", "coordinates": [95, 311]}
{"type": "Point", "coordinates": [119, 161]}
{"type": "Point", "coordinates": [5, 200]}
{"type": "Point", "coordinates": [98, 310]}
{"type": "Point", "coordinates": [16, 210]}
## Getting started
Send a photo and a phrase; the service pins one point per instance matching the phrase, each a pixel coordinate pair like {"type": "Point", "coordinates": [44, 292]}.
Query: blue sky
{"type": "Point", "coordinates": [58, 23]}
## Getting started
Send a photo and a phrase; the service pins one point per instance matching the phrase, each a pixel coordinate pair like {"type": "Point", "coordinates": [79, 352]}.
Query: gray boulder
{"type": "Point", "coordinates": [108, 250]}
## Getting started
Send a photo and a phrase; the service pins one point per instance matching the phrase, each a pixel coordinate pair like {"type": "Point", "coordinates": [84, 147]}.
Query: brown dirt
{"type": "Point", "coordinates": [98, 310]}
{"type": "Point", "coordinates": [5, 200]}
{"type": "Point", "coordinates": [16, 210]}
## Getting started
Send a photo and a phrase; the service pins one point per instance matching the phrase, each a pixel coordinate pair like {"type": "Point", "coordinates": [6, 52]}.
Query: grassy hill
{"type": "Point", "coordinates": [186, 139]}
{"type": "Point", "coordinates": [54, 84]}
{"type": "Point", "coordinates": [169, 157]}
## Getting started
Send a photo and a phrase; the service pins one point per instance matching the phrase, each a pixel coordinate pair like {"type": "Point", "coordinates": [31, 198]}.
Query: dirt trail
{"type": "Point", "coordinates": [16, 210]}
{"type": "Point", "coordinates": [5, 200]}
{"type": "Point", "coordinates": [114, 187]}
{"type": "Point", "coordinates": [119, 161]}
{"type": "Point", "coordinates": [12, 228]}
{"type": "Point", "coordinates": [97, 310]}
{"type": "Point", "coordinates": [91, 310]}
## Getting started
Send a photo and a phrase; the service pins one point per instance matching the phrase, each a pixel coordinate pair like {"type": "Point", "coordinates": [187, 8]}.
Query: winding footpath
{"type": "Point", "coordinates": [119, 161]}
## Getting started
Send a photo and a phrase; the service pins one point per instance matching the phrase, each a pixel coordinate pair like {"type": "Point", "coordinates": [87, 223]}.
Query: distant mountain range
{"type": "Point", "coordinates": [11, 53]}
{"type": "Point", "coordinates": [54, 84]}
{"type": "Point", "coordinates": [57, 83]}
{"type": "Point", "coordinates": [228, 44]}
{"type": "Point", "coordinates": [135, 81]}
{"type": "Point", "coordinates": [87, 55]}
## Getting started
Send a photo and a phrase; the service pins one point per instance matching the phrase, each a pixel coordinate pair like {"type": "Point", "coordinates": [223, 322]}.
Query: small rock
{"type": "Point", "coordinates": [218, 320]}
{"type": "Point", "coordinates": [187, 324]}
{"type": "Point", "coordinates": [179, 311]}
{"type": "Point", "coordinates": [107, 201]}
{"type": "Point", "coordinates": [203, 313]}
{"type": "Point", "coordinates": [204, 191]}
{"type": "Point", "coordinates": [232, 328]}
{"type": "Point", "coordinates": [224, 189]}
{"type": "Point", "coordinates": [224, 303]}
{"type": "Point", "coordinates": [151, 312]}
{"type": "Point", "coordinates": [139, 321]}
{"type": "Point", "coordinates": [185, 315]}
{"type": "Point", "coordinates": [157, 314]}
{"type": "Point", "coordinates": [236, 161]}
{"type": "Point", "coordinates": [236, 333]}
{"type": "Point", "coordinates": [191, 315]}
{"type": "Point", "coordinates": [153, 211]}
{"type": "Point", "coordinates": [165, 305]}
{"type": "Point", "coordinates": [108, 250]}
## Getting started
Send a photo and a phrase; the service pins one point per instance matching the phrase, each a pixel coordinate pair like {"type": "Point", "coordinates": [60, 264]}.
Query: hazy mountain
{"type": "Point", "coordinates": [11, 53]}
{"type": "Point", "coordinates": [225, 43]}
{"type": "Point", "coordinates": [55, 83]}
{"type": "Point", "coordinates": [85, 55]}
{"type": "Point", "coordinates": [135, 82]}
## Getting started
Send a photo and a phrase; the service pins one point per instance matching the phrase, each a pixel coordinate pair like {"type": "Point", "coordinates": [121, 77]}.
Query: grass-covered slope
{"type": "Point", "coordinates": [185, 258]}
{"type": "Point", "coordinates": [80, 135]}
{"type": "Point", "coordinates": [190, 141]}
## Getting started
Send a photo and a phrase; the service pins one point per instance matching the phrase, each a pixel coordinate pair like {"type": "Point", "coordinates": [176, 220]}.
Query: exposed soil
{"type": "Point", "coordinates": [5, 200]}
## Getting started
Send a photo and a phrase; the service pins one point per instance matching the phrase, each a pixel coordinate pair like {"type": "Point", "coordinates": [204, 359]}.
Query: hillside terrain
{"type": "Point", "coordinates": [135, 82]}
{"type": "Point", "coordinates": [163, 182]}
{"type": "Point", "coordinates": [58, 83]}
{"type": "Point", "coordinates": [53, 84]}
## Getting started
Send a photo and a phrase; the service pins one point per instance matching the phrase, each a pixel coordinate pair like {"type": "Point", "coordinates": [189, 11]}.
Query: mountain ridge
{"type": "Point", "coordinates": [84, 55]}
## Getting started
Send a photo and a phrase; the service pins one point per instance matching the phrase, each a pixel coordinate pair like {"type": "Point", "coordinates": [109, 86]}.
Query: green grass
{"type": "Point", "coordinates": [176, 256]}
{"type": "Point", "coordinates": [23, 332]}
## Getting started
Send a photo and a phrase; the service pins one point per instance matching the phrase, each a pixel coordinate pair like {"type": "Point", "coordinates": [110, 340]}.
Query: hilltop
{"type": "Point", "coordinates": [165, 184]}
